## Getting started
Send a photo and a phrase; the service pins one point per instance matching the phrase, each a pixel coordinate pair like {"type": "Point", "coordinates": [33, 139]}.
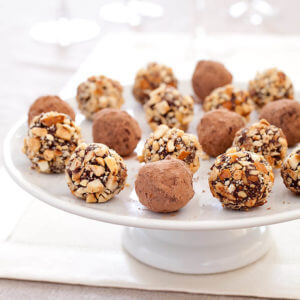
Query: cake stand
{"type": "Point", "coordinates": [201, 238]}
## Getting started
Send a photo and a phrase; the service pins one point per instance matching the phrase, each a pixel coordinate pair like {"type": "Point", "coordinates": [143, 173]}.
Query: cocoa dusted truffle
{"type": "Point", "coordinates": [51, 139]}
{"type": "Point", "coordinates": [241, 180]}
{"type": "Point", "coordinates": [150, 78]}
{"type": "Point", "coordinates": [265, 139]}
{"type": "Point", "coordinates": [164, 186]}
{"type": "Point", "coordinates": [216, 130]}
{"type": "Point", "coordinates": [290, 171]}
{"type": "Point", "coordinates": [231, 98]}
{"type": "Point", "coordinates": [174, 142]}
{"type": "Point", "coordinates": [49, 103]}
{"type": "Point", "coordinates": [98, 92]}
{"type": "Point", "coordinates": [95, 173]}
{"type": "Point", "coordinates": [116, 129]}
{"type": "Point", "coordinates": [284, 114]}
{"type": "Point", "coordinates": [167, 106]}
{"type": "Point", "coordinates": [209, 75]}
{"type": "Point", "coordinates": [270, 85]}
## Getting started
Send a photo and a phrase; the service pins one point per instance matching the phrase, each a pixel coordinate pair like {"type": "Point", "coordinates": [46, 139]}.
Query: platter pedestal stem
{"type": "Point", "coordinates": [197, 252]}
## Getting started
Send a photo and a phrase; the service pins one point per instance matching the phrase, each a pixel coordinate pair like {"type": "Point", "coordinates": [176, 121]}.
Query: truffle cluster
{"type": "Point", "coordinates": [95, 173]}
{"type": "Point", "coordinates": [209, 75]}
{"type": "Point", "coordinates": [116, 129]}
{"type": "Point", "coordinates": [49, 103]}
{"type": "Point", "coordinates": [284, 114]}
{"type": "Point", "coordinates": [216, 130]}
{"type": "Point", "coordinates": [52, 137]}
{"type": "Point", "coordinates": [290, 171]}
{"type": "Point", "coordinates": [174, 142]}
{"type": "Point", "coordinates": [241, 180]}
{"type": "Point", "coordinates": [269, 86]}
{"type": "Point", "coordinates": [167, 106]}
{"type": "Point", "coordinates": [231, 98]}
{"type": "Point", "coordinates": [98, 92]}
{"type": "Point", "coordinates": [150, 78]}
{"type": "Point", "coordinates": [165, 186]}
{"type": "Point", "coordinates": [265, 139]}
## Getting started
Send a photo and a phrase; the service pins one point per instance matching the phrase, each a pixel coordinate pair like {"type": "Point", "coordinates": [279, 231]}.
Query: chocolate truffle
{"type": "Point", "coordinates": [231, 98]}
{"type": "Point", "coordinates": [49, 103]}
{"type": "Point", "coordinates": [265, 139]}
{"type": "Point", "coordinates": [165, 186]}
{"type": "Point", "coordinates": [150, 78]}
{"type": "Point", "coordinates": [116, 129]}
{"type": "Point", "coordinates": [284, 114]}
{"type": "Point", "coordinates": [51, 139]}
{"type": "Point", "coordinates": [290, 171]}
{"type": "Point", "coordinates": [98, 92]}
{"type": "Point", "coordinates": [174, 142]}
{"type": "Point", "coordinates": [95, 173]}
{"type": "Point", "coordinates": [216, 130]}
{"type": "Point", "coordinates": [241, 180]}
{"type": "Point", "coordinates": [209, 75]}
{"type": "Point", "coordinates": [167, 106]}
{"type": "Point", "coordinates": [270, 85]}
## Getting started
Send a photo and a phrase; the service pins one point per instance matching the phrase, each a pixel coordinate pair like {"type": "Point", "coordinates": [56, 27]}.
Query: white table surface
{"type": "Point", "coordinates": [29, 69]}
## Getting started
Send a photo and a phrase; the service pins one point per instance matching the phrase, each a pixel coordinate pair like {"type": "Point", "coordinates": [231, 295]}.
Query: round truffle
{"type": "Point", "coordinates": [209, 75]}
{"type": "Point", "coordinates": [270, 85]}
{"type": "Point", "coordinates": [116, 129]}
{"type": "Point", "coordinates": [174, 142]}
{"type": "Point", "coordinates": [51, 139]}
{"type": "Point", "coordinates": [49, 103]}
{"type": "Point", "coordinates": [98, 92]}
{"type": "Point", "coordinates": [216, 130]}
{"type": "Point", "coordinates": [241, 180]}
{"type": "Point", "coordinates": [290, 171]}
{"type": "Point", "coordinates": [165, 186]}
{"type": "Point", "coordinates": [231, 98]}
{"type": "Point", "coordinates": [95, 173]}
{"type": "Point", "coordinates": [284, 114]}
{"type": "Point", "coordinates": [167, 106]}
{"type": "Point", "coordinates": [265, 139]}
{"type": "Point", "coordinates": [150, 78]}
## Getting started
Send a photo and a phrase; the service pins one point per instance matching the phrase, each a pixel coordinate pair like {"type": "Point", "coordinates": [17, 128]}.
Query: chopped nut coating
{"type": "Point", "coordinates": [174, 142]}
{"type": "Point", "coordinates": [241, 180]}
{"type": "Point", "coordinates": [98, 92]}
{"type": "Point", "coordinates": [52, 137]}
{"type": "Point", "coordinates": [150, 78]}
{"type": "Point", "coordinates": [265, 139]}
{"type": "Point", "coordinates": [167, 106]}
{"type": "Point", "coordinates": [95, 173]}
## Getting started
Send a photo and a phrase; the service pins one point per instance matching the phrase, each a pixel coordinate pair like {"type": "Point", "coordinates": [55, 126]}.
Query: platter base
{"type": "Point", "coordinates": [197, 252]}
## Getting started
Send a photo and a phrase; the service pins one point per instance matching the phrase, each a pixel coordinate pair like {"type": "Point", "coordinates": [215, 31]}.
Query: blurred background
{"type": "Point", "coordinates": [42, 47]}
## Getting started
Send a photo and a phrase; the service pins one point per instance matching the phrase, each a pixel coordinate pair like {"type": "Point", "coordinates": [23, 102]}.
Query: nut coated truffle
{"type": "Point", "coordinates": [167, 106]}
{"type": "Point", "coordinates": [52, 137]}
{"type": "Point", "coordinates": [150, 78]}
{"type": "Point", "coordinates": [174, 142]}
{"type": "Point", "coordinates": [231, 98]}
{"type": "Point", "coordinates": [270, 85]}
{"type": "Point", "coordinates": [49, 103]}
{"type": "Point", "coordinates": [290, 171]}
{"type": "Point", "coordinates": [95, 173]}
{"type": "Point", "coordinates": [216, 130]}
{"type": "Point", "coordinates": [265, 139]}
{"type": "Point", "coordinates": [284, 114]}
{"type": "Point", "coordinates": [241, 180]}
{"type": "Point", "coordinates": [116, 129]}
{"type": "Point", "coordinates": [98, 92]}
{"type": "Point", "coordinates": [209, 75]}
{"type": "Point", "coordinates": [165, 186]}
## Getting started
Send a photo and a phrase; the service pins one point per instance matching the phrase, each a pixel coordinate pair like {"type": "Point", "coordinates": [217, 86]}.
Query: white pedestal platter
{"type": "Point", "coordinates": [201, 238]}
